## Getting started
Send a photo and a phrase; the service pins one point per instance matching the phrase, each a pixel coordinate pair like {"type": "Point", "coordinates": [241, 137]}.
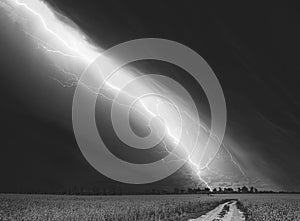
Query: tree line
{"type": "Point", "coordinates": [117, 191]}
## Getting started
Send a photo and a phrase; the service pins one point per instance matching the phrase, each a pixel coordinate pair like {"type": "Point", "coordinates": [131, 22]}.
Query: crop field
{"type": "Point", "coordinates": [142, 207]}
{"type": "Point", "coordinates": [271, 209]}
{"type": "Point", "coordinates": [267, 207]}
{"type": "Point", "coordinates": [258, 207]}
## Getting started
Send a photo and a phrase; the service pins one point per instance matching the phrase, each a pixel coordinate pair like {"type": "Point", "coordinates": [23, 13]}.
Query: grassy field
{"type": "Point", "coordinates": [268, 207]}
{"type": "Point", "coordinates": [144, 207]}
{"type": "Point", "coordinates": [147, 207]}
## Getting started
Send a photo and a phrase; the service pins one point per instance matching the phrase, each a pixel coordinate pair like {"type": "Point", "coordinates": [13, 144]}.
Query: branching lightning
{"type": "Point", "coordinates": [53, 33]}
{"type": "Point", "coordinates": [70, 43]}
{"type": "Point", "coordinates": [57, 52]}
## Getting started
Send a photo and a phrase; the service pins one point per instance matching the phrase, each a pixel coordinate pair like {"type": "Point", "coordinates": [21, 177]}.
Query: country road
{"type": "Point", "coordinates": [224, 212]}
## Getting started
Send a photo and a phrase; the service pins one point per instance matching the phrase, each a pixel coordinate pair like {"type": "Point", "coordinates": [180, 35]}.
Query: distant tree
{"type": "Point", "coordinates": [239, 189]}
{"type": "Point", "coordinates": [255, 190]}
{"type": "Point", "coordinates": [220, 189]}
{"type": "Point", "coordinates": [164, 192]}
{"type": "Point", "coordinates": [155, 191]}
{"type": "Point", "coordinates": [206, 189]}
{"type": "Point", "coordinates": [197, 190]}
{"type": "Point", "coordinates": [245, 189]}
{"type": "Point", "coordinates": [228, 190]}
{"type": "Point", "coordinates": [214, 190]}
{"type": "Point", "coordinates": [251, 189]}
{"type": "Point", "coordinates": [176, 190]}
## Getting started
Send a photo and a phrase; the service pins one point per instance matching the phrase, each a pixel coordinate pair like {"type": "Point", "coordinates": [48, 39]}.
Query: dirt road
{"type": "Point", "coordinates": [224, 212]}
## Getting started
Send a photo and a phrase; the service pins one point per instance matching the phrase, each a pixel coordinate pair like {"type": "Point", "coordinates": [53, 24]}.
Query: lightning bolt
{"type": "Point", "coordinates": [57, 52]}
{"type": "Point", "coordinates": [74, 46]}
{"type": "Point", "coordinates": [235, 162]}
{"type": "Point", "coordinates": [53, 33]}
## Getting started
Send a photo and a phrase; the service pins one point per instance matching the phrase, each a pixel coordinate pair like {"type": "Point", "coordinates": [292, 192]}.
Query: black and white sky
{"type": "Point", "coordinates": [252, 50]}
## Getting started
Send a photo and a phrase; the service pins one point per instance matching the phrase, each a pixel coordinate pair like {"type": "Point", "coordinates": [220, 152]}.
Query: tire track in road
{"type": "Point", "coordinates": [225, 212]}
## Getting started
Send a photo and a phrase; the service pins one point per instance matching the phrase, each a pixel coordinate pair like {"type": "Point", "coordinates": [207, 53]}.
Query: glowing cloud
{"type": "Point", "coordinates": [70, 51]}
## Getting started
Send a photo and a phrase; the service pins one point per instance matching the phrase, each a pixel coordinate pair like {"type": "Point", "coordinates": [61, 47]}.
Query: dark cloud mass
{"type": "Point", "coordinates": [253, 52]}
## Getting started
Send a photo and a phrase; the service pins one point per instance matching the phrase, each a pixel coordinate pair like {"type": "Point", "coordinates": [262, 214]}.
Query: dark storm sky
{"type": "Point", "coordinates": [253, 51]}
